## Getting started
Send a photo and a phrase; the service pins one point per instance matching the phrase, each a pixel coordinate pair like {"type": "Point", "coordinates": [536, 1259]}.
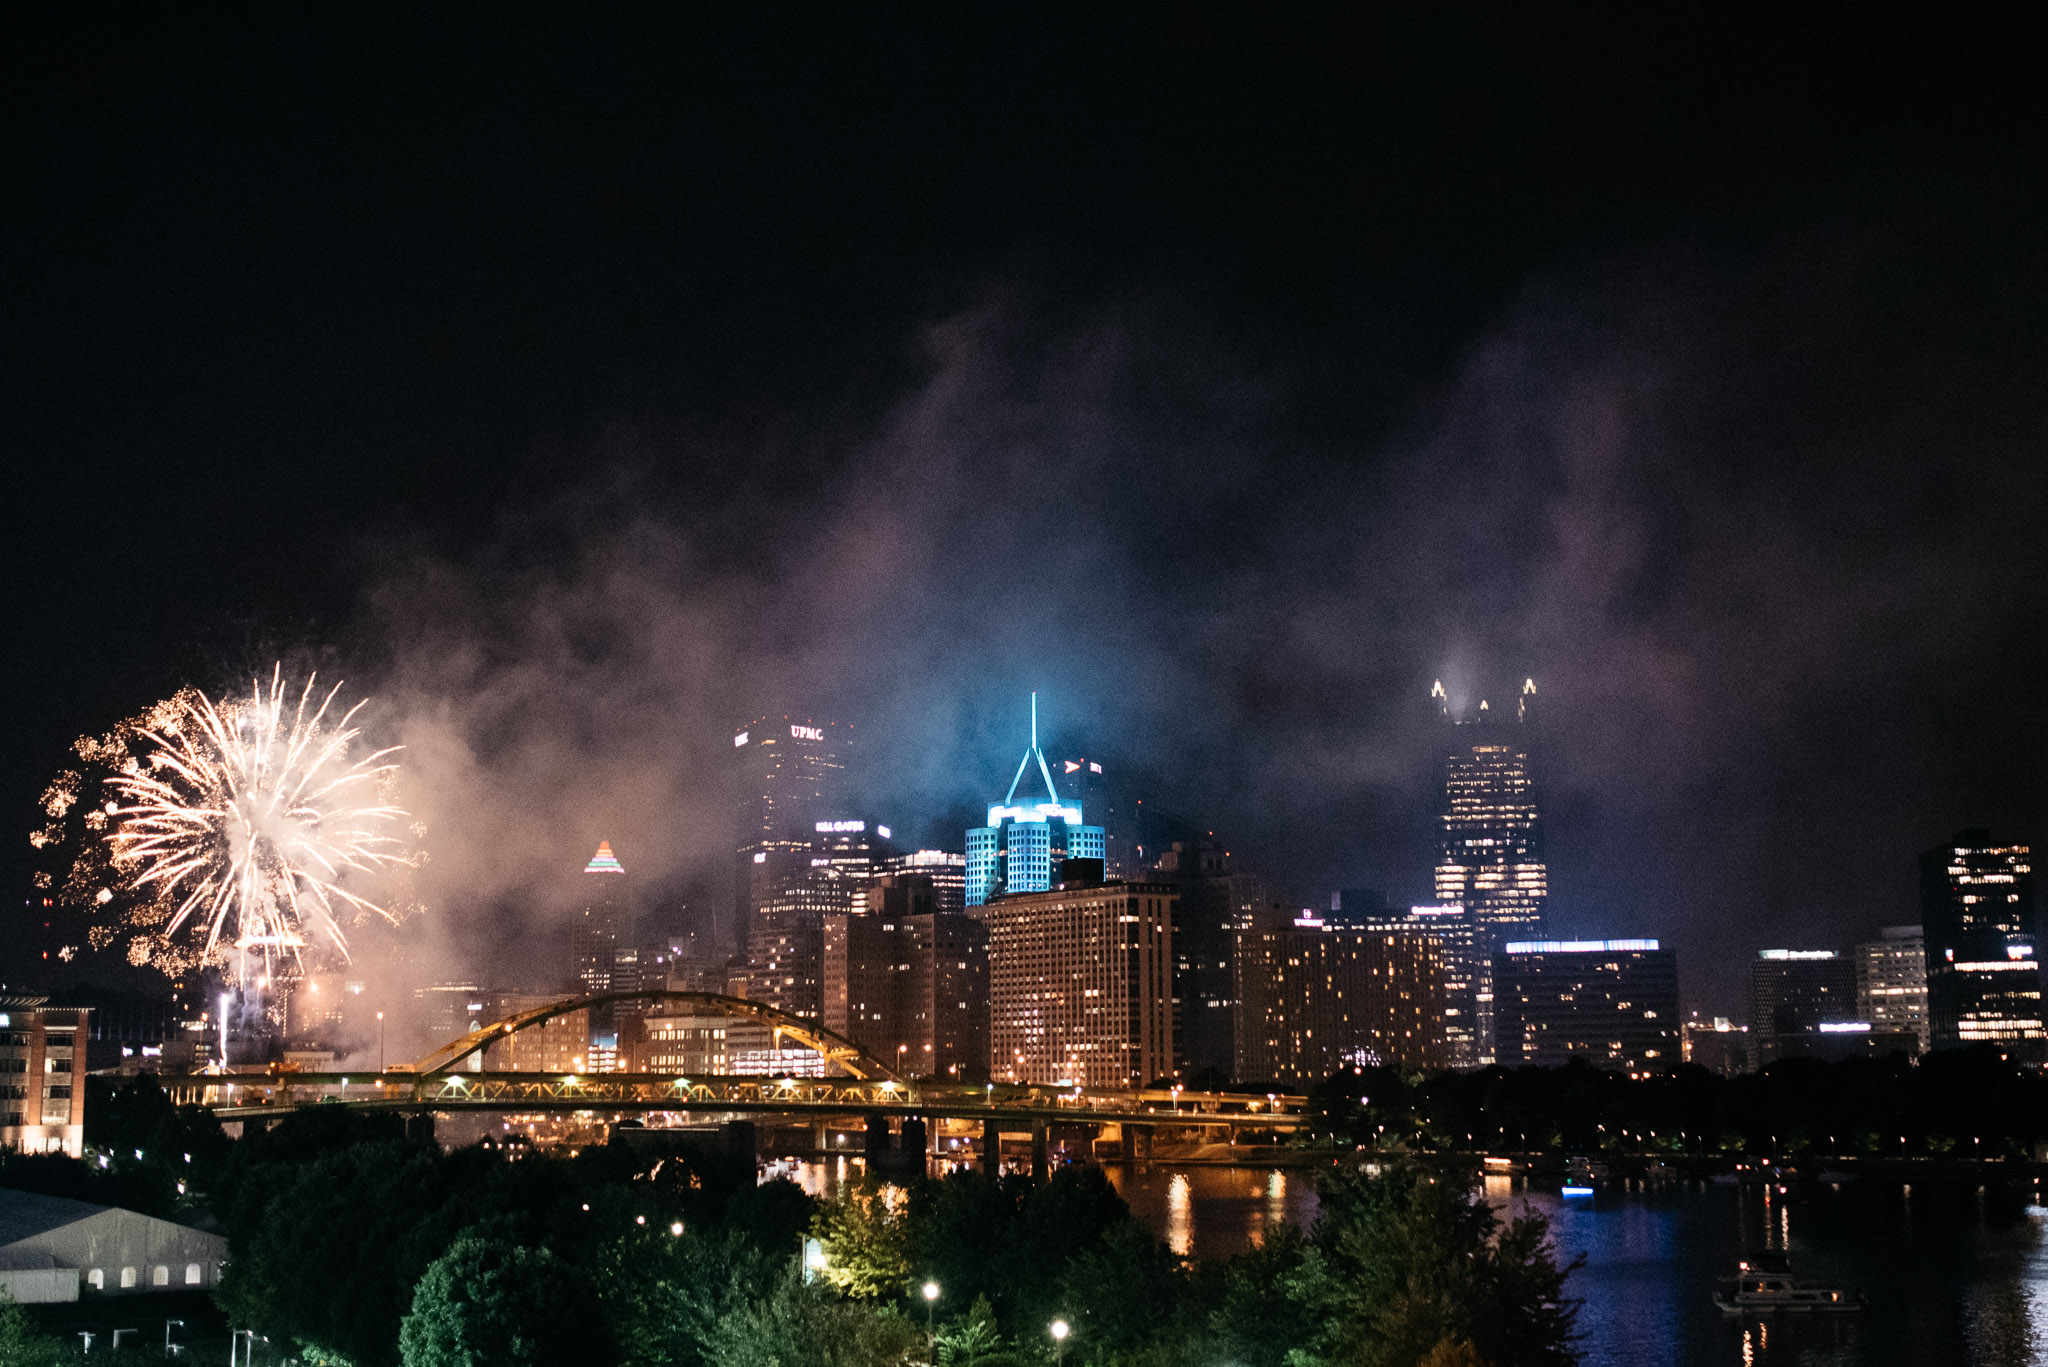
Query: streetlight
{"type": "Point", "coordinates": [931, 1296]}
{"type": "Point", "coordinates": [168, 1350]}
{"type": "Point", "coordinates": [380, 1042]}
{"type": "Point", "coordinates": [1060, 1330]}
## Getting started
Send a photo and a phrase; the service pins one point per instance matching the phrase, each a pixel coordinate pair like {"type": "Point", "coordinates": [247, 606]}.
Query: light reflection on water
{"type": "Point", "coordinates": [1953, 1277]}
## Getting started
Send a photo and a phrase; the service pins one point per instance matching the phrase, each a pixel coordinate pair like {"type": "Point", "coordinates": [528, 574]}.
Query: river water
{"type": "Point", "coordinates": [1954, 1276]}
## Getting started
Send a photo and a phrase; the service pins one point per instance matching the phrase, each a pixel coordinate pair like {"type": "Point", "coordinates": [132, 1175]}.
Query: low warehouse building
{"type": "Point", "coordinates": [54, 1249]}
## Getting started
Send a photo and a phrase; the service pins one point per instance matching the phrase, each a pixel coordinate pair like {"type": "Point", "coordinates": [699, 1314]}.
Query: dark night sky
{"type": "Point", "coordinates": [584, 389]}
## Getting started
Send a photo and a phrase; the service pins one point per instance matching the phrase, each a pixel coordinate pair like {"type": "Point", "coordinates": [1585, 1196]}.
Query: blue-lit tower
{"type": "Point", "coordinates": [1023, 844]}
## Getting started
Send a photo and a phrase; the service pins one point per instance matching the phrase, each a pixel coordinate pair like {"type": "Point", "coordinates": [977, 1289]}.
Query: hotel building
{"type": "Point", "coordinates": [1080, 984]}
{"type": "Point", "coordinates": [42, 1075]}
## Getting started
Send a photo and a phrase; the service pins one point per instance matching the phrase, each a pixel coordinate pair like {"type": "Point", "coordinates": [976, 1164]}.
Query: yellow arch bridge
{"type": "Point", "coordinates": [864, 1089]}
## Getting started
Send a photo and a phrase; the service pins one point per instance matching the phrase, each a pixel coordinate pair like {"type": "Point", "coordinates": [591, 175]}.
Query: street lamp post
{"type": "Point", "coordinates": [167, 1335]}
{"type": "Point", "coordinates": [1060, 1330]}
{"type": "Point", "coordinates": [931, 1296]}
{"type": "Point", "coordinates": [380, 1043]}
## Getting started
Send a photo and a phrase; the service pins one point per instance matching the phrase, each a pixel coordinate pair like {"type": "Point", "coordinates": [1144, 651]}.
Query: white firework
{"type": "Point", "coordinates": [237, 823]}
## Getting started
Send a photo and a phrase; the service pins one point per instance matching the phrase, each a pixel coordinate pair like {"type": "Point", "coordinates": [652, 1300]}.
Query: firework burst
{"type": "Point", "coordinates": [230, 826]}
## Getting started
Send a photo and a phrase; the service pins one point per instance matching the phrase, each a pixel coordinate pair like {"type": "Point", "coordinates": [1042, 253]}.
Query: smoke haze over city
{"type": "Point", "coordinates": [1747, 482]}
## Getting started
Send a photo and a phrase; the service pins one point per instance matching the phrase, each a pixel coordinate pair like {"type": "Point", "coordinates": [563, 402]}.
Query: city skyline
{"type": "Point", "coordinates": [1217, 383]}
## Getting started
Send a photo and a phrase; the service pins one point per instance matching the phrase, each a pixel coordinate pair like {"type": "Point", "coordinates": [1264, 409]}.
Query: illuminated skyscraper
{"type": "Point", "coordinates": [792, 776]}
{"type": "Point", "coordinates": [1983, 975]}
{"type": "Point", "coordinates": [1891, 982]}
{"type": "Point", "coordinates": [1023, 844]}
{"type": "Point", "coordinates": [604, 926]}
{"type": "Point", "coordinates": [1490, 838]}
{"type": "Point", "coordinates": [1490, 858]}
{"type": "Point", "coordinates": [1793, 995]}
{"type": "Point", "coordinates": [1080, 984]}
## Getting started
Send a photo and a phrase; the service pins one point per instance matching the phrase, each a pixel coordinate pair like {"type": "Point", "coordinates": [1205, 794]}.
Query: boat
{"type": "Point", "coordinates": [1763, 1284]}
{"type": "Point", "coordinates": [1583, 1176]}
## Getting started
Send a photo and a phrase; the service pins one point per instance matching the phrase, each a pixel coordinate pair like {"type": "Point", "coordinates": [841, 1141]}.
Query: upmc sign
{"type": "Point", "coordinates": [806, 733]}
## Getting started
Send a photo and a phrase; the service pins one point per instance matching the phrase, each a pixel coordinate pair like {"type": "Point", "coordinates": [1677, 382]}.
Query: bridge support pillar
{"type": "Point", "coordinates": [991, 1149]}
{"type": "Point", "coordinates": [1040, 1160]}
{"type": "Point", "coordinates": [877, 1141]}
{"type": "Point", "coordinates": [1141, 1139]}
{"type": "Point", "coordinates": [821, 1137]}
{"type": "Point", "coordinates": [915, 1154]}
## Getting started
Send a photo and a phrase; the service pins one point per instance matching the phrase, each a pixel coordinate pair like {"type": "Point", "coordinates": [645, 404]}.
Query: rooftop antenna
{"type": "Point", "coordinates": [1045, 771]}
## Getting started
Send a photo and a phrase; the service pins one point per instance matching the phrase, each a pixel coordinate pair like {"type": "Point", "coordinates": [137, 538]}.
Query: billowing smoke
{"type": "Point", "coordinates": [1735, 519]}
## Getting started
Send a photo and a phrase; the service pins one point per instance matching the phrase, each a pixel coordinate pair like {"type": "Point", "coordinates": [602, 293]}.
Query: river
{"type": "Point", "coordinates": [1955, 1277]}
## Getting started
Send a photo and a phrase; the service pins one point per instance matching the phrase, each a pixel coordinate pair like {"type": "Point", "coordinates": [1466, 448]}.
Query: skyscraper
{"type": "Point", "coordinates": [908, 982]}
{"type": "Point", "coordinates": [791, 777]}
{"type": "Point", "coordinates": [1490, 836]}
{"type": "Point", "coordinates": [1891, 982]}
{"type": "Point", "coordinates": [1793, 993]}
{"type": "Point", "coordinates": [1080, 984]}
{"type": "Point", "coordinates": [602, 928]}
{"type": "Point", "coordinates": [1023, 844]}
{"type": "Point", "coordinates": [1983, 975]}
{"type": "Point", "coordinates": [1313, 999]}
{"type": "Point", "coordinates": [1466, 960]}
{"type": "Point", "coordinates": [1613, 1003]}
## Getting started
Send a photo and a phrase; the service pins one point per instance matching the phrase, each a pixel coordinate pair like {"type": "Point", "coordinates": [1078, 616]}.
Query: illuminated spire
{"type": "Point", "coordinates": [1443, 701]}
{"type": "Point", "coordinates": [604, 861]}
{"type": "Point", "coordinates": [1045, 770]}
{"type": "Point", "coordinates": [1525, 709]}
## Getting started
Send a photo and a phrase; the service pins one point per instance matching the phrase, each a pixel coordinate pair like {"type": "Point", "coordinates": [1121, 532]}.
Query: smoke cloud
{"type": "Point", "coordinates": [1739, 519]}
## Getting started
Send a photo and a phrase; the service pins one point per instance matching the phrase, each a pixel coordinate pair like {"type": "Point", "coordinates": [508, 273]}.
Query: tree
{"type": "Point", "coordinates": [23, 1345]}
{"type": "Point", "coordinates": [490, 1303]}
{"type": "Point", "coordinates": [866, 1241]}
{"type": "Point", "coordinates": [1125, 1296]}
{"type": "Point", "coordinates": [804, 1325]}
{"type": "Point", "coordinates": [975, 1340]}
{"type": "Point", "coordinates": [1260, 1308]}
{"type": "Point", "coordinates": [326, 1254]}
{"type": "Point", "coordinates": [1406, 1261]}
{"type": "Point", "coordinates": [665, 1294]}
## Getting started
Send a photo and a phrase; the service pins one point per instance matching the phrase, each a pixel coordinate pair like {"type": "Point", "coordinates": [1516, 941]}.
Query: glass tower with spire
{"type": "Point", "coordinates": [1023, 843]}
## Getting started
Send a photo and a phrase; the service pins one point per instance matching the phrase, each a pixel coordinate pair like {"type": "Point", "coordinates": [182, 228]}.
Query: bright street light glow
{"type": "Point", "coordinates": [1059, 1329]}
{"type": "Point", "coordinates": [931, 1291]}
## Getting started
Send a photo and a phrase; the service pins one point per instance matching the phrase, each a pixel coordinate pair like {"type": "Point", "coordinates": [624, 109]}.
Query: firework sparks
{"type": "Point", "coordinates": [230, 825]}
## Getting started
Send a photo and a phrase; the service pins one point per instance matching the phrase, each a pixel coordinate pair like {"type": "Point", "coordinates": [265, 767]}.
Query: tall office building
{"type": "Point", "coordinates": [792, 775]}
{"type": "Point", "coordinates": [1214, 901]}
{"type": "Point", "coordinates": [785, 935]}
{"type": "Point", "coordinates": [909, 983]}
{"type": "Point", "coordinates": [946, 870]}
{"type": "Point", "coordinates": [1793, 995]}
{"type": "Point", "coordinates": [1313, 999]}
{"type": "Point", "coordinates": [1983, 975]}
{"type": "Point", "coordinates": [42, 1075]}
{"type": "Point", "coordinates": [1891, 982]}
{"type": "Point", "coordinates": [1613, 1003]}
{"type": "Point", "coordinates": [1024, 843]}
{"type": "Point", "coordinates": [1466, 962]}
{"type": "Point", "coordinates": [1080, 984]}
{"type": "Point", "coordinates": [1490, 835]}
{"type": "Point", "coordinates": [602, 929]}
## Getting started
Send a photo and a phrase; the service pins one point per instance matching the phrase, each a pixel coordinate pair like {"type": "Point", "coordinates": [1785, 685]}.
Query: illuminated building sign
{"type": "Point", "coordinates": [882, 831]}
{"type": "Point", "coordinates": [807, 732]}
{"type": "Point", "coordinates": [740, 739]}
{"type": "Point", "coordinates": [1578, 946]}
{"type": "Point", "coordinates": [1795, 954]}
{"type": "Point", "coordinates": [840, 827]}
{"type": "Point", "coordinates": [1844, 1027]}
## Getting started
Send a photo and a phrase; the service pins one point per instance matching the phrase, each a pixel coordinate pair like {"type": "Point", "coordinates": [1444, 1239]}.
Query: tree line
{"type": "Point", "coordinates": [1962, 1104]}
{"type": "Point", "coordinates": [354, 1245]}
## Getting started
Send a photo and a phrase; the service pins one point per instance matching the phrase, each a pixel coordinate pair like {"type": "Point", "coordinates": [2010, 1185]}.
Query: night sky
{"type": "Point", "coordinates": [582, 390]}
